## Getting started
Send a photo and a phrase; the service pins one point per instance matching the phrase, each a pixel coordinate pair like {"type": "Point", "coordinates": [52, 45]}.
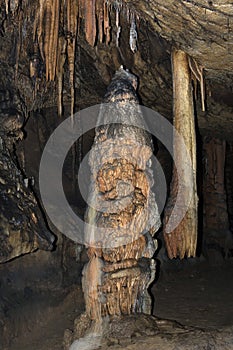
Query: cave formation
{"type": "Point", "coordinates": [61, 57]}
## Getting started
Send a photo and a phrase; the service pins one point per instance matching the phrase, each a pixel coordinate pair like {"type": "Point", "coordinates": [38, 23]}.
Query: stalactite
{"type": "Point", "coordinates": [117, 5]}
{"type": "Point", "coordinates": [182, 240]}
{"type": "Point", "coordinates": [106, 23]}
{"type": "Point", "coordinates": [46, 30]}
{"type": "Point", "coordinates": [47, 26]}
{"type": "Point", "coordinates": [90, 22]}
{"type": "Point", "coordinates": [81, 4]}
{"type": "Point", "coordinates": [72, 13]}
{"type": "Point", "coordinates": [133, 34]}
{"type": "Point", "coordinates": [61, 55]}
{"type": "Point", "coordinates": [61, 58]}
{"type": "Point", "coordinates": [51, 33]}
{"type": "Point", "coordinates": [197, 75]}
{"type": "Point", "coordinates": [7, 6]}
{"type": "Point", "coordinates": [52, 46]}
{"type": "Point", "coordinates": [100, 17]}
{"type": "Point", "coordinates": [54, 40]}
{"type": "Point", "coordinates": [51, 13]}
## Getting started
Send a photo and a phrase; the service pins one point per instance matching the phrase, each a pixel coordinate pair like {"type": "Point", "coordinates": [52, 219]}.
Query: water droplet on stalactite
{"type": "Point", "coordinates": [133, 35]}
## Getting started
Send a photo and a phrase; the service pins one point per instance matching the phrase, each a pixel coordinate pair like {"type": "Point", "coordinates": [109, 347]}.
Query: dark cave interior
{"type": "Point", "coordinates": [40, 267]}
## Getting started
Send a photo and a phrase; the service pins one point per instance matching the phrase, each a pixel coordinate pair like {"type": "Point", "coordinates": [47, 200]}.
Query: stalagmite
{"type": "Point", "coordinates": [182, 240]}
{"type": "Point", "coordinates": [122, 216]}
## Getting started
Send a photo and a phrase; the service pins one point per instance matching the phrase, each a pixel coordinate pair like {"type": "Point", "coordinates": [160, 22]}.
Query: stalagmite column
{"type": "Point", "coordinates": [122, 216]}
{"type": "Point", "coordinates": [182, 240]}
{"type": "Point", "coordinates": [216, 233]}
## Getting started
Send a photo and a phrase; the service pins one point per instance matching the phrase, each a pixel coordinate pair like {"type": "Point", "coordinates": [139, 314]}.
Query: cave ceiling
{"type": "Point", "coordinates": [201, 28]}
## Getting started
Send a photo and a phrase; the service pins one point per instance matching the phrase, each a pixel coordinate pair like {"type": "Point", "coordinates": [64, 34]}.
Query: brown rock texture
{"type": "Point", "coordinates": [121, 204]}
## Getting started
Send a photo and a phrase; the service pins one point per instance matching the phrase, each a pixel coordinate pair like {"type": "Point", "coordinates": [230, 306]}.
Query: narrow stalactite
{"type": "Point", "coordinates": [61, 56]}
{"type": "Point", "coordinates": [54, 39]}
{"type": "Point", "coordinates": [7, 6]}
{"type": "Point", "coordinates": [72, 13]}
{"type": "Point", "coordinates": [197, 76]}
{"type": "Point", "coordinates": [47, 14]}
{"type": "Point", "coordinates": [107, 28]}
{"type": "Point", "coordinates": [182, 240]}
{"type": "Point", "coordinates": [100, 19]}
{"type": "Point", "coordinates": [46, 27]}
{"type": "Point", "coordinates": [133, 34]}
{"type": "Point", "coordinates": [90, 22]}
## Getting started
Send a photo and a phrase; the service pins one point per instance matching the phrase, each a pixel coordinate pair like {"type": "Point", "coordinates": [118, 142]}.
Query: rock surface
{"type": "Point", "coordinates": [137, 331]}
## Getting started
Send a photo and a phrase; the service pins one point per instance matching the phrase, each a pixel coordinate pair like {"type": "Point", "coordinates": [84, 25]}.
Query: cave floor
{"type": "Point", "coordinates": [195, 294]}
{"type": "Point", "coordinates": [190, 292]}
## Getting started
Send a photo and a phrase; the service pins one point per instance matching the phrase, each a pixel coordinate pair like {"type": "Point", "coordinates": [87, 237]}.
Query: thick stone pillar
{"type": "Point", "coordinates": [122, 216]}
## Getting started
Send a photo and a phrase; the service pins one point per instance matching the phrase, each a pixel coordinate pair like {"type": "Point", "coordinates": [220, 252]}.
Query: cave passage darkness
{"type": "Point", "coordinates": [58, 58]}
